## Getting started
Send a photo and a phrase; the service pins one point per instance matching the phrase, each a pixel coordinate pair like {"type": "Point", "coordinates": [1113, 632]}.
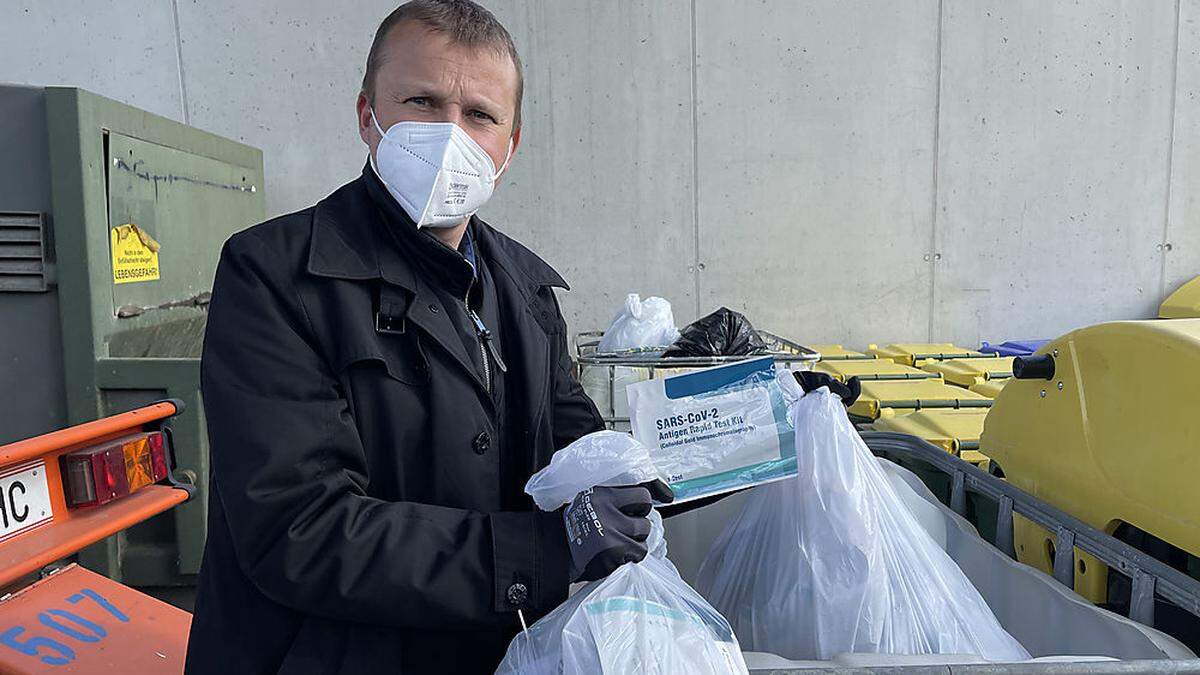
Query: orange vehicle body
{"type": "Point", "coordinates": [72, 620]}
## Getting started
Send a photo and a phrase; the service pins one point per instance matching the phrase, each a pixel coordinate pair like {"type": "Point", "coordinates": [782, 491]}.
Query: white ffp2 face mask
{"type": "Point", "coordinates": [438, 174]}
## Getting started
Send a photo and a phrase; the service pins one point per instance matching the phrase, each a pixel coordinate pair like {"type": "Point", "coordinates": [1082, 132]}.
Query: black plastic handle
{"type": "Point", "coordinates": [1034, 367]}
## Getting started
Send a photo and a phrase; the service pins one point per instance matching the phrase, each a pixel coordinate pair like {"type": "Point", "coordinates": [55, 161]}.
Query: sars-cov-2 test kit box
{"type": "Point", "coordinates": [719, 429]}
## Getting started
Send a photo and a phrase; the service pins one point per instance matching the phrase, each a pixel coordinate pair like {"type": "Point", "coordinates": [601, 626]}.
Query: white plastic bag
{"type": "Point", "coordinates": [641, 325]}
{"type": "Point", "coordinates": [833, 561]}
{"type": "Point", "coordinates": [601, 458]}
{"type": "Point", "coordinates": [642, 618]}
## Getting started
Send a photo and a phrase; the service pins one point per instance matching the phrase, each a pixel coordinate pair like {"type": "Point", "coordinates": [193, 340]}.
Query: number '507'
{"type": "Point", "coordinates": [65, 623]}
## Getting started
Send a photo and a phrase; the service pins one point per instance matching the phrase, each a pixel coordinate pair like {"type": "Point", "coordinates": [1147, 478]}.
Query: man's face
{"type": "Point", "coordinates": [427, 78]}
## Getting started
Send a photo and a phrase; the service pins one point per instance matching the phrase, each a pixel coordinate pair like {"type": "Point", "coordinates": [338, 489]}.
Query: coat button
{"type": "Point", "coordinates": [482, 442]}
{"type": "Point", "coordinates": [433, 308]}
{"type": "Point", "coordinates": [517, 594]}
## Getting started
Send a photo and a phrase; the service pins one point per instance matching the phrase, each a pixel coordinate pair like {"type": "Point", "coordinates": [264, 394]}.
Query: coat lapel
{"type": "Point", "coordinates": [426, 313]}
{"type": "Point", "coordinates": [348, 242]}
{"type": "Point", "coordinates": [519, 276]}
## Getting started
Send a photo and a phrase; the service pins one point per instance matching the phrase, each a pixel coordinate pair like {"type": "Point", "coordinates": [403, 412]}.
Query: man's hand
{"type": "Point", "coordinates": [607, 527]}
{"type": "Point", "coordinates": [811, 381]}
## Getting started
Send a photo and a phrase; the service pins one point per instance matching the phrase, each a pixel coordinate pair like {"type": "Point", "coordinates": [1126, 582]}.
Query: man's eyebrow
{"type": "Point", "coordinates": [409, 92]}
{"type": "Point", "coordinates": [402, 93]}
{"type": "Point", "coordinates": [486, 105]}
{"type": "Point", "coordinates": [414, 87]}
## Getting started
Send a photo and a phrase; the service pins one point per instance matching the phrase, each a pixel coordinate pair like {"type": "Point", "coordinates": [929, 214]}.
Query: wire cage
{"type": "Point", "coordinates": [605, 375]}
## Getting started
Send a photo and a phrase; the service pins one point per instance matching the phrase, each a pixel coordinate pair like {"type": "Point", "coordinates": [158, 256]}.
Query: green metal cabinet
{"type": "Point", "coordinates": [118, 339]}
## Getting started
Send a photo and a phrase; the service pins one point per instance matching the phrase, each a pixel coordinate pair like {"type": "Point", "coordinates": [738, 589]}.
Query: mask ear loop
{"type": "Point", "coordinates": [375, 121]}
{"type": "Point", "coordinates": [507, 159]}
{"type": "Point", "coordinates": [370, 156]}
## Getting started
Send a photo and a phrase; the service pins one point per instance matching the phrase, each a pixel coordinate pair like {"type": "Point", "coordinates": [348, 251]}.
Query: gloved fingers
{"type": "Point", "coordinates": [847, 391]}
{"type": "Point", "coordinates": [640, 530]}
{"type": "Point", "coordinates": [631, 545]}
{"type": "Point", "coordinates": [636, 555]}
{"type": "Point", "coordinates": [603, 563]}
{"type": "Point", "coordinates": [807, 379]}
{"type": "Point", "coordinates": [634, 550]}
{"type": "Point", "coordinates": [811, 380]}
{"type": "Point", "coordinates": [633, 501]}
{"type": "Point", "coordinates": [659, 491]}
{"type": "Point", "coordinates": [636, 500]}
{"type": "Point", "coordinates": [855, 387]}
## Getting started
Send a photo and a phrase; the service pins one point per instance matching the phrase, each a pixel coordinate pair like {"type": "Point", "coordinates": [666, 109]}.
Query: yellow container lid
{"type": "Point", "coordinates": [837, 353]}
{"type": "Point", "coordinates": [955, 431]}
{"type": "Point", "coordinates": [1184, 303]}
{"type": "Point", "coordinates": [965, 372]}
{"type": "Point", "coordinates": [913, 395]}
{"type": "Point", "coordinates": [989, 388]}
{"type": "Point", "coordinates": [872, 369]}
{"type": "Point", "coordinates": [909, 353]}
{"type": "Point", "coordinates": [1113, 436]}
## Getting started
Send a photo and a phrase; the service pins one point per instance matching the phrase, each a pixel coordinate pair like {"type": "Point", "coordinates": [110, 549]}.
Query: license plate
{"type": "Point", "coordinates": [24, 499]}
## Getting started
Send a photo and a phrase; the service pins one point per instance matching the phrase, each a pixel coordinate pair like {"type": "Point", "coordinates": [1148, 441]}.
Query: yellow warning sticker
{"type": "Point", "coordinates": [134, 255]}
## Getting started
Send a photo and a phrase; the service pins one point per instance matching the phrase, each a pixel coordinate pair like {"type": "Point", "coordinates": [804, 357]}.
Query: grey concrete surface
{"type": "Point", "coordinates": [282, 76]}
{"type": "Point", "coordinates": [815, 173]}
{"type": "Point", "coordinates": [1053, 147]}
{"type": "Point", "coordinates": [1182, 258]}
{"type": "Point", "coordinates": [602, 185]}
{"type": "Point", "coordinates": [120, 48]}
{"type": "Point", "coordinates": [849, 172]}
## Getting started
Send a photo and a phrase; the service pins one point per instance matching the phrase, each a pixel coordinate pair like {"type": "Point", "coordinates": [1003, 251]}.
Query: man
{"type": "Point", "coordinates": [382, 372]}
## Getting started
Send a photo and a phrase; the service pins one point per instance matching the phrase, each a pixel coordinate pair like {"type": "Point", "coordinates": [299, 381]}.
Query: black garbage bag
{"type": "Point", "coordinates": [722, 333]}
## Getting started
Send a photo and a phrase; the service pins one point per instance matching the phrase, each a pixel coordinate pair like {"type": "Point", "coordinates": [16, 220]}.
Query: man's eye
{"type": "Point", "coordinates": [480, 115]}
{"type": "Point", "coordinates": [417, 100]}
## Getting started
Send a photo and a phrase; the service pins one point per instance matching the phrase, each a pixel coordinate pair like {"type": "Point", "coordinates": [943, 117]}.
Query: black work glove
{"type": "Point", "coordinates": [810, 380]}
{"type": "Point", "coordinates": [607, 527]}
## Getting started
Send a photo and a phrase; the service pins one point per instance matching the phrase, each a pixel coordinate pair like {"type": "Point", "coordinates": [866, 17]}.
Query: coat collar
{"type": "Point", "coordinates": [348, 242]}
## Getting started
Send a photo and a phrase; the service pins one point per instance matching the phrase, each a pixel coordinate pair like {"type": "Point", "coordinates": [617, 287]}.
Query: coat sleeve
{"type": "Point", "coordinates": [575, 415]}
{"type": "Point", "coordinates": [290, 471]}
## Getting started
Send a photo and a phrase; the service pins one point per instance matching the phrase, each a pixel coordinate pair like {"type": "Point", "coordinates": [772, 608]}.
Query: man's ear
{"type": "Point", "coordinates": [366, 128]}
{"type": "Point", "coordinates": [516, 140]}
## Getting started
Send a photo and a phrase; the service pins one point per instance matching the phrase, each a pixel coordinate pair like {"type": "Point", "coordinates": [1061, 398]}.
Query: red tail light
{"type": "Point", "coordinates": [103, 473]}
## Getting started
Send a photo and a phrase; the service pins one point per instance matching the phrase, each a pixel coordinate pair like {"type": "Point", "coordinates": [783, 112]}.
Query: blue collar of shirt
{"type": "Point", "coordinates": [467, 248]}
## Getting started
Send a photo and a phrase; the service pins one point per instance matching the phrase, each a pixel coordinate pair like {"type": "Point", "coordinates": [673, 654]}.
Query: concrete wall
{"type": "Point", "coordinates": [849, 172]}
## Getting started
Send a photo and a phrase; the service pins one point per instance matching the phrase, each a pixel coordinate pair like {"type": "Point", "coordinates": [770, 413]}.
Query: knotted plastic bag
{"type": "Point", "coordinates": [642, 618]}
{"type": "Point", "coordinates": [833, 561]}
{"type": "Point", "coordinates": [640, 326]}
{"type": "Point", "coordinates": [722, 333]}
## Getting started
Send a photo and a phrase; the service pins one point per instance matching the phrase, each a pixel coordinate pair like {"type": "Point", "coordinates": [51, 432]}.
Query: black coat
{"type": "Point", "coordinates": [355, 521]}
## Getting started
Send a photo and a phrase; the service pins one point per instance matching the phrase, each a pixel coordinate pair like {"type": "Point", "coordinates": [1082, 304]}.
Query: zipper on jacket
{"type": "Point", "coordinates": [484, 337]}
{"type": "Point", "coordinates": [486, 345]}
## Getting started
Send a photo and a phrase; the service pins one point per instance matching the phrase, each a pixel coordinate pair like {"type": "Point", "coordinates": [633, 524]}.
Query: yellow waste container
{"type": "Point", "coordinates": [910, 395]}
{"type": "Point", "coordinates": [915, 353]}
{"type": "Point", "coordinates": [1184, 303]}
{"type": "Point", "coordinates": [955, 431]}
{"type": "Point", "coordinates": [989, 388]}
{"type": "Point", "coordinates": [838, 353]}
{"type": "Point", "coordinates": [1110, 436]}
{"type": "Point", "coordinates": [966, 372]}
{"type": "Point", "coordinates": [872, 369]}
